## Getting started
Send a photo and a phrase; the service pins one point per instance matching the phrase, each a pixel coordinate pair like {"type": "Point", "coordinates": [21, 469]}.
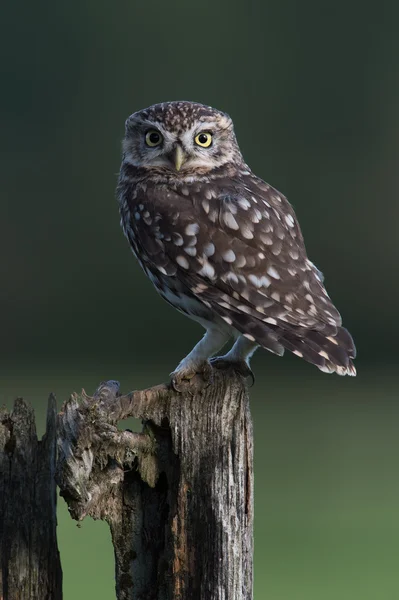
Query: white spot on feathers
{"type": "Point", "coordinates": [249, 337]}
{"type": "Point", "coordinates": [229, 256]}
{"type": "Point", "coordinates": [177, 239]}
{"type": "Point", "coordinates": [259, 282]}
{"type": "Point", "coordinates": [270, 320]}
{"type": "Point", "coordinates": [209, 249]}
{"type": "Point", "coordinates": [231, 277]}
{"type": "Point", "coordinates": [182, 261]}
{"type": "Point", "coordinates": [207, 270]}
{"type": "Point", "coordinates": [230, 221]}
{"type": "Point", "coordinates": [273, 273]}
{"type": "Point", "coordinates": [244, 203]}
{"type": "Point", "coordinates": [190, 250]}
{"type": "Point", "coordinates": [289, 220]}
{"type": "Point", "coordinates": [246, 232]}
{"type": "Point", "coordinates": [192, 229]}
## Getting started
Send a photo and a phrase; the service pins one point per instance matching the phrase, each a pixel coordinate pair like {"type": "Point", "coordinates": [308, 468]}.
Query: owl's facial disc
{"type": "Point", "coordinates": [176, 140]}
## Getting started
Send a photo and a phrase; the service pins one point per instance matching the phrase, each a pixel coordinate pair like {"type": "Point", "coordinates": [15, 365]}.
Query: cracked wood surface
{"type": "Point", "coordinates": [29, 560]}
{"type": "Point", "coordinates": [178, 497]}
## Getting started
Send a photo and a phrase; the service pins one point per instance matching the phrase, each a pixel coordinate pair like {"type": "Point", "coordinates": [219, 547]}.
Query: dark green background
{"type": "Point", "coordinates": [313, 89]}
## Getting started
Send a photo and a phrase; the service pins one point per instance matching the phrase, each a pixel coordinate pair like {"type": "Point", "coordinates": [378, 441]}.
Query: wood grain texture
{"type": "Point", "coordinates": [29, 558]}
{"type": "Point", "coordinates": [178, 497]}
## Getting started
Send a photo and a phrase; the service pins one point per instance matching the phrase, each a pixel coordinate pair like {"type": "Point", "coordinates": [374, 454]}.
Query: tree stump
{"type": "Point", "coordinates": [29, 558]}
{"type": "Point", "coordinates": [178, 496]}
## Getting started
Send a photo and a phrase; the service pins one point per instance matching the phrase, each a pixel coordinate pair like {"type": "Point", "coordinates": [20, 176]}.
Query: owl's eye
{"type": "Point", "coordinates": [153, 138]}
{"type": "Point", "coordinates": [203, 139]}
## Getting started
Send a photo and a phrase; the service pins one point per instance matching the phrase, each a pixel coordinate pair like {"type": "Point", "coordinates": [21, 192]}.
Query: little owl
{"type": "Point", "coordinates": [221, 245]}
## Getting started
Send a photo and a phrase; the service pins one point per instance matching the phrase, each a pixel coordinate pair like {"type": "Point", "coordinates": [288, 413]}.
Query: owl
{"type": "Point", "coordinates": [221, 245]}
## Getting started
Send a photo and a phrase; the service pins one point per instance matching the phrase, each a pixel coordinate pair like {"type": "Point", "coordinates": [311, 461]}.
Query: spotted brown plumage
{"type": "Point", "coordinates": [221, 245]}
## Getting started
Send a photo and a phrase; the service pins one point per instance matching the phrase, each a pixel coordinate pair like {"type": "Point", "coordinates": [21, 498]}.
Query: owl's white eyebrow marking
{"type": "Point", "coordinates": [182, 261]}
{"type": "Point", "coordinates": [273, 273]}
{"type": "Point", "coordinates": [229, 256]}
{"type": "Point", "coordinates": [192, 229]}
{"type": "Point", "coordinates": [230, 220]}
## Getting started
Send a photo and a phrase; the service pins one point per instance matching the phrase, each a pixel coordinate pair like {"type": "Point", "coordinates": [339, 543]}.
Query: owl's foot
{"type": "Point", "coordinates": [239, 366]}
{"type": "Point", "coordinates": [192, 378]}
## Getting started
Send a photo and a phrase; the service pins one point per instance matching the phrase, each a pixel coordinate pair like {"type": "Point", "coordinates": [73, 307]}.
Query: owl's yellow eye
{"type": "Point", "coordinates": [203, 139]}
{"type": "Point", "coordinates": [153, 138]}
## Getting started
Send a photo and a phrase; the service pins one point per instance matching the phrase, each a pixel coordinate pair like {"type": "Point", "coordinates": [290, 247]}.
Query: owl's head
{"type": "Point", "coordinates": [180, 137]}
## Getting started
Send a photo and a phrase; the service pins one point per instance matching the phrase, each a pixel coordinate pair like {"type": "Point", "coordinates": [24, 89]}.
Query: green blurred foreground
{"type": "Point", "coordinates": [326, 484]}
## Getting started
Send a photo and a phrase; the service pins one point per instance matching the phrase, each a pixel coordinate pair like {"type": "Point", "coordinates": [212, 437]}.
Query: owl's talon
{"type": "Point", "coordinates": [239, 366]}
{"type": "Point", "coordinates": [192, 380]}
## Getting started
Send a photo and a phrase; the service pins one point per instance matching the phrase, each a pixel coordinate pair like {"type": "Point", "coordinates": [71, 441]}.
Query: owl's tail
{"type": "Point", "coordinates": [331, 350]}
{"type": "Point", "coordinates": [330, 353]}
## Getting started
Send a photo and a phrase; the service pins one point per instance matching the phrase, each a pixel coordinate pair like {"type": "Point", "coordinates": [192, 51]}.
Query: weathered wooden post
{"type": "Point", "coordinates": [29, 558]}
{"type": "Point", "coordinates": [178, 497]}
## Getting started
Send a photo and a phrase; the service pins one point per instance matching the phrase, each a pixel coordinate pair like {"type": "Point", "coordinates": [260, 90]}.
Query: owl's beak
{"type": "Point", "coordinates": [179, 157]}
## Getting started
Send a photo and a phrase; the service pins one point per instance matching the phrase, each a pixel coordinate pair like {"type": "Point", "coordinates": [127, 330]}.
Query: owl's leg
{"type": "Point", "coordinates": [197, 362]}
{"type": "Point", "coordinates": [238, 357]}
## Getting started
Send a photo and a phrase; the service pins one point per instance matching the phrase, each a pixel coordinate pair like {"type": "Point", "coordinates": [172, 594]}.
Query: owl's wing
{"type": "Point", "coordinates": [238, 248]}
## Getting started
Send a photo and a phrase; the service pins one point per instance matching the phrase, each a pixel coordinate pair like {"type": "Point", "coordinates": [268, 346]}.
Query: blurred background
{"type": "Point", "coordinates": [313, 88]}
